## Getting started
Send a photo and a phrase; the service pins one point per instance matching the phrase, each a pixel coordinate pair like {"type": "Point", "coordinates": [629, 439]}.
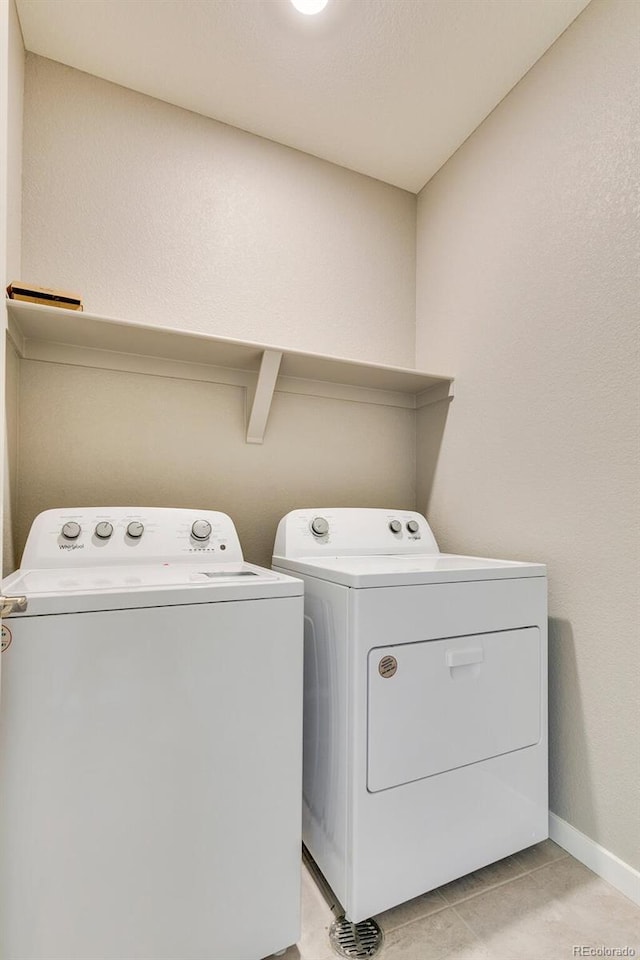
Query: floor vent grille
{"type": "Point", "coordinates": [357, 941]}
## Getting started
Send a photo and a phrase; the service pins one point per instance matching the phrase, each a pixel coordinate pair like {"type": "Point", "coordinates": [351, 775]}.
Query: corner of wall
{"type": "Point", "coordinates": [10, 560]}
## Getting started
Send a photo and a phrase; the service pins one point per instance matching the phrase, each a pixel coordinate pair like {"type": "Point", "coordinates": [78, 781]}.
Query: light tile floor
{"type": "Point", "coordinates": [539, 904]}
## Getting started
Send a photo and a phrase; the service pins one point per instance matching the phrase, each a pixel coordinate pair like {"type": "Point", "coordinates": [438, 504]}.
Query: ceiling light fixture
{"type": "Point", "coordinates": [309, 7]}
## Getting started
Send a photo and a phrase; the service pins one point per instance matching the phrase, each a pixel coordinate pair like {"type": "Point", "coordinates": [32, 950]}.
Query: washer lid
{"type": "Point", "coordinates": [81, 589]}
{"type": "Point", "coordinates": [402, 570]}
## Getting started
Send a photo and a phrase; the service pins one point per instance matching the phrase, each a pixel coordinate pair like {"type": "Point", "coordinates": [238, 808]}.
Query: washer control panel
{"type": "Point", "coordinates": [102, 535]}
{"type": "Point", "coordinates": [319, 527]}
{"type": "Point", "coordinates": [353, 531]}
{"type": "Point", "coordinates": [71, 530]}
{"type": "Point", "coordinates": [201, 530]}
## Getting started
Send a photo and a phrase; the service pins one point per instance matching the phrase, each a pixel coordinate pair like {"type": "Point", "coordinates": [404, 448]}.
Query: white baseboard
{"type": "Point", "coordinates": [615, 871]}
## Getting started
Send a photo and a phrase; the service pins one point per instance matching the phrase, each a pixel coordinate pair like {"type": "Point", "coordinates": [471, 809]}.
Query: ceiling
{"type": "Point", "coordinates": [389, 88]}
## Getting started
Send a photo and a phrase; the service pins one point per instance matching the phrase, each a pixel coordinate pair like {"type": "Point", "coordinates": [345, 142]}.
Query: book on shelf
{"type": "Point", "coordinates": [45, 295]}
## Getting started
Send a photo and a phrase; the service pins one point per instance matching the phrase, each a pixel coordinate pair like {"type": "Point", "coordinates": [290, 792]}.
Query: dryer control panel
{"type": "Point", "coordinates": [83, 536]}
{"type": "Point", "coordinates": [353, 531]}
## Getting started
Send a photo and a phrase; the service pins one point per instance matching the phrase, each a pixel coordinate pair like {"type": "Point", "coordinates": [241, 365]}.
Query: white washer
{"type": "Point", "coordinates": [425, 714]}
{"type": "Point", "coordinates": [151, 740]}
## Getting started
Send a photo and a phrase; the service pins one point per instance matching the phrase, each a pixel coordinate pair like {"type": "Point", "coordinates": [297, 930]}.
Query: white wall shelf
{"type": "Point", "coordinates": [85, 339]}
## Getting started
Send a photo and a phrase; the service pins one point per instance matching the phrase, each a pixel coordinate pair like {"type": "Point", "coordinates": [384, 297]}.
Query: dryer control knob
{"type": "Point", "coordinates": [71, 530]}
{"type": "Point", "coordinates": [395, 526]}
{"type": "Point", "coordinates": [135, 529]}
{"type": "Point", "coordinates": [104, 529]}
{"type": "Point", "coordinates": [413, 526]}
{"type": "Point", "coordinates": [201, 530]}
{"type": "Point", "coordinates": [319, 527]}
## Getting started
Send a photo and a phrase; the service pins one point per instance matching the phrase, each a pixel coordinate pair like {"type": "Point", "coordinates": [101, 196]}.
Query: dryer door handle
{"type": "Point", "coordinates": [462, 658]}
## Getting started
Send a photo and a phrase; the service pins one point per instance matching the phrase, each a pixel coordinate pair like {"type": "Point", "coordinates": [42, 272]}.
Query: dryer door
{"type": "Point", "coordinates": [441, 704]}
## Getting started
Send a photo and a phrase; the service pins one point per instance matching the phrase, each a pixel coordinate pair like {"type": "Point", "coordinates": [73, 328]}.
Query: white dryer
{"type": "Point", "coordinates": [425, 712]}
{"type": "Point", "coordinates": [150, 743]}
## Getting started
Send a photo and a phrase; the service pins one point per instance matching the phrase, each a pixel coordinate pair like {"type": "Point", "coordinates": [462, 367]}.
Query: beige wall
{"type": "Point", "coordinates": [527, 290]}
{"type": "Point", "coordinates": [154, 213]}
{"type": "Point", "coordinates": [11, 98]}
{"type": "Point", "coordinates": [15, 75]}
{"type": "Point", "coordinates": [10, 491]}
{"type": "Point", "coordinates": [103, 437]}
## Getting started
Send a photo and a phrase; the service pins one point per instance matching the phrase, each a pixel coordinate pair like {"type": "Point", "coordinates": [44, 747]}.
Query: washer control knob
{"type": "Point", "coordinates": [319, 527]}
{"type": "Point", "coordinates": [413, 526]}
{"type": "Point", "coordinates": [104, 529]}
{"type": "Point", "coordinates": [71, 530]}
{"type": "Point", "coordinates": [395, 526]}
{"type": "Point", "coordinates": [201, 530]}
{"type": "Point", "coordinates": [135, 529]}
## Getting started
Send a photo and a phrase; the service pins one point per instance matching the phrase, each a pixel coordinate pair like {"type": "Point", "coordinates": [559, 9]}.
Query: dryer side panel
{"type": "Point", "coordinates": [328, 745]}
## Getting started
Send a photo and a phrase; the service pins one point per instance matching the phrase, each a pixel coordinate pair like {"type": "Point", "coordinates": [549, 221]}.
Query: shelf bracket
{"type": "Point", "coordinates": [438, 393]}
{"type": "Point", "coordinates": [265, 385]}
